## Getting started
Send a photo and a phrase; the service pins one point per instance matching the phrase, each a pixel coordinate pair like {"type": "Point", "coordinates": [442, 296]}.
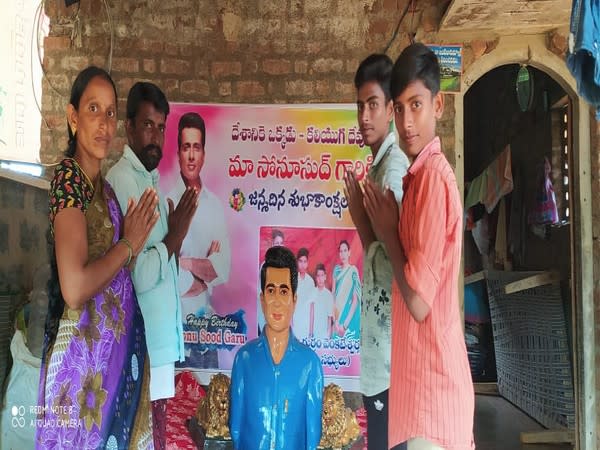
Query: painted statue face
{"type": "Point", "coordinates": [277, 301]}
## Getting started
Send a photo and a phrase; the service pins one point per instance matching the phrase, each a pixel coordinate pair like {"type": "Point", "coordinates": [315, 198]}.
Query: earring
{"type": "Point", "coordinates": [73, 130]}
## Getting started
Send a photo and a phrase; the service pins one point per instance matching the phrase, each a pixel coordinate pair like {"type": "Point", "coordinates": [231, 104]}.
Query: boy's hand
{"type": "Point", "coordinates": [354, 196]}
{"type": "Point", "coordinates": [382, 211]}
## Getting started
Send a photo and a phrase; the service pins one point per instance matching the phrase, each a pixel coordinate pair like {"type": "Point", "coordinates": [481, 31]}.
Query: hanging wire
{"type": "Point", "coordinates": [395, 35]}
{"type": "Point", "coordinates": [40, 11]}
{"type": "Point", "coordinates": [35, 35]}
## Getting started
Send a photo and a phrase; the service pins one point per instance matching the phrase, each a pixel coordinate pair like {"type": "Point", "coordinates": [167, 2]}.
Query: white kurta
{"type": "Point", "coordinates": [208, 225]}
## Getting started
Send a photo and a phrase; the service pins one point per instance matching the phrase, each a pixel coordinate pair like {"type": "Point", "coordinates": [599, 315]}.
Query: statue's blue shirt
{"type": "Point", "coordinates": [276, 406]}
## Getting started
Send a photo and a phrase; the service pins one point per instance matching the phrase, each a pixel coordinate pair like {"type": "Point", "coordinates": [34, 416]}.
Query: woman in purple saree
{"type": "Point", "coordinates": [95, 370]}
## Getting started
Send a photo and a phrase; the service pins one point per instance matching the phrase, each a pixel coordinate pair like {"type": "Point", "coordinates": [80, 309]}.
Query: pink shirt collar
{"type": "Point", "coordinates": [434, 147]}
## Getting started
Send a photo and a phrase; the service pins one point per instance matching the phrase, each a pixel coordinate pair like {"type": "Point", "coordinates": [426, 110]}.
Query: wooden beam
{"type": "Point", "coordinates": [477, 276]}
{"type": "Point", "coordinates": [548, 437]}
{"type": "Point", "coordinates": [533, 281]}
{"type": "Point", "coordinates": [560, 103]}
{"type": "Point", "coordinates": [486, 388]}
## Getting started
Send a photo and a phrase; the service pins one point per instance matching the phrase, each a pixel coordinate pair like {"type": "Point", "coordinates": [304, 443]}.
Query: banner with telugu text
{"type": "Point", "coordinates": [271, 174]}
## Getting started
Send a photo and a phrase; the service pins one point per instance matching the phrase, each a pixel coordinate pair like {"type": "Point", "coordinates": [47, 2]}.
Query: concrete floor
{"type": "Point", "coordinates": [498, 424]}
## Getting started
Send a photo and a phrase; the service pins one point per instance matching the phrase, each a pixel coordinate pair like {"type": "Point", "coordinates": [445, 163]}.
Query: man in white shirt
{"type": "Point", "coordinates": [323, 306]}
{"type": "Point", "coordinates": [205, 258]}
{"type": "Point", "coordinates": [154, 273]}
{"type": "Point", "coordinates": [305, 292]}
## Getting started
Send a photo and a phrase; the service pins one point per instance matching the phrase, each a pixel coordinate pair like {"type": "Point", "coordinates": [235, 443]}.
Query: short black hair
{"type": "Point", "coordinates": [279, 258]}
{"type": "Point", "coordinates": [416, 62]}
{"type": "Point", "coordinates": [141, 92]}
{"type": "Point", "coordinates": [276, 232]}
{"type": "Point", "coordinates": [376, 67]}
{"type": "Point", "coordinates": [191, 120]}
{"type": "Point", "coordinates": [320, 266]}
{"type": "Point", "coordinates": [302, 252]}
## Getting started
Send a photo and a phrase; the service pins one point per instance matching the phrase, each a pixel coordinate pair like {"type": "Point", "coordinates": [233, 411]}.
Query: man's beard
{"type": "Point", "coordinates": [150, 156]}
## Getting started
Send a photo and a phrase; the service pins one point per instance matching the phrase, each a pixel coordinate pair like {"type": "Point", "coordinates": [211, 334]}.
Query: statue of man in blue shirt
{"type": "Point", "coordinates": [276, 382]}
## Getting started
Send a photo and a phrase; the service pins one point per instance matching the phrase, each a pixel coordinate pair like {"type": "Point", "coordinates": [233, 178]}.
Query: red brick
{"type": "Point", "coordinates": [149, 65]}
{"type": "Point", "coordinates": [49, 62]}
{"type": "Point", "coordinates": [186, 50]}
{"type": "Point", "coordinates": [171, 88]}
{"type": "Point", "coordinates": [250, 67]}
{"type": "Point", "coordinates": [276, 66]}
{"type": "Point", "coordinates": [173, 66]}
{"type": "Point", "coordinates": [352, 65]}
{"type": "Point", "coordinates": [301, 66]}
{"type": "Point", "coordinates": [312, 48]}
{"type": "Point", "coordinates": [381, 26]}
{"type": "Point", "coordinates": [249, 89]}
{"type": "Point", "coordinates": [147, 45]}
{"type": "Point", "coordinates": [58, 8]}
{"type": "Point", "coordinates": [76, 63]}
{"type": "Point", "coordinates": [225, 89]}
{"type": "Point", "coordinates": [123, 86]}
{"type": "Point", "coordinates": [221, 69]}
{"type": "Point", "coordinates": [390, 5]}
{"type": "Point", "coordinates": [55, 120]}
{"type": "Point", "coordinates": [201, 69]}
{"type": "Point", "coordinates": [345, 89]}
{"type": "Point", "coordinates": [323, 88]}
{"type": "Point", "coordinates": [299, 88]}
{"type": "Point", "coordinates": [60, 82]}
{"type": "Point", "coordinates": [279, 46]}
{"type": "Point", "coordinates": [98, 60]}
{"type": "Point", "coordinates": [56, 43]}
{"type": "Point", "coordinates": [127, 65]}
{"type": "Point", "coordinates": [171, 49]}
{"type": "Point", "coordinates": [325, 65]}
{"type": "Point", "coordinates": [195, 87]}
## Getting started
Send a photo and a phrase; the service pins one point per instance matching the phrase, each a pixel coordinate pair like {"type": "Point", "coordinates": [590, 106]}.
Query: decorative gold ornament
{"type": "Point", "coordinates": [213, 410]}
{"type": "Point", "coordinates": [339, 425]}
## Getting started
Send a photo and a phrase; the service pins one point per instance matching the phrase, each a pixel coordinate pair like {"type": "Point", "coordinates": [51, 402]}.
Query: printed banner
{"type": "Point", "coordinates": [271, 175]}
{"type": "Point", "coordinates": [450, 59]}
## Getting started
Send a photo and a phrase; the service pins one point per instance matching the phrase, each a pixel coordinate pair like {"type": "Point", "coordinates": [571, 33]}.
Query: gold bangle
{"type": "Point", "coordinates": [129, 247]}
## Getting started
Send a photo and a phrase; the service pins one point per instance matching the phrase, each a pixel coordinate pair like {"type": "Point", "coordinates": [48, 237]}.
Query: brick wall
{"type": "Point", "coordinates": [23, 224]}
{"type": "Point", "coordinates": [257, 51]}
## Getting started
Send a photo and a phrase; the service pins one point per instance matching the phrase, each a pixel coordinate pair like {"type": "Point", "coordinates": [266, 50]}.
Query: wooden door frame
{"type": "Point", "coordinates": [532, 50]}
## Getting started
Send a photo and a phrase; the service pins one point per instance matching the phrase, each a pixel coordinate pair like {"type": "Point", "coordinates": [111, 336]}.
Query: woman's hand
{"type": "Point", "coordinates": [140, 219]}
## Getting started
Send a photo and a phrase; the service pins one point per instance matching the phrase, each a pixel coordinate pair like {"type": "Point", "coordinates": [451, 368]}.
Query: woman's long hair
{"type": "Point", "coordinates": [56, 302]}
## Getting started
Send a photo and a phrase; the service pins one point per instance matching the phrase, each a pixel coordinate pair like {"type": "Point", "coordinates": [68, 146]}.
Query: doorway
{"type": "Point", "coordinates": [518, 238]}
{"type": "Point", "coordinates": [532, 50]}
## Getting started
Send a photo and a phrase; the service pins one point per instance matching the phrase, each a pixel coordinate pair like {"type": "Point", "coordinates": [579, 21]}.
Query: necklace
{"type": "Point", "coordinates": [87, 178]}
